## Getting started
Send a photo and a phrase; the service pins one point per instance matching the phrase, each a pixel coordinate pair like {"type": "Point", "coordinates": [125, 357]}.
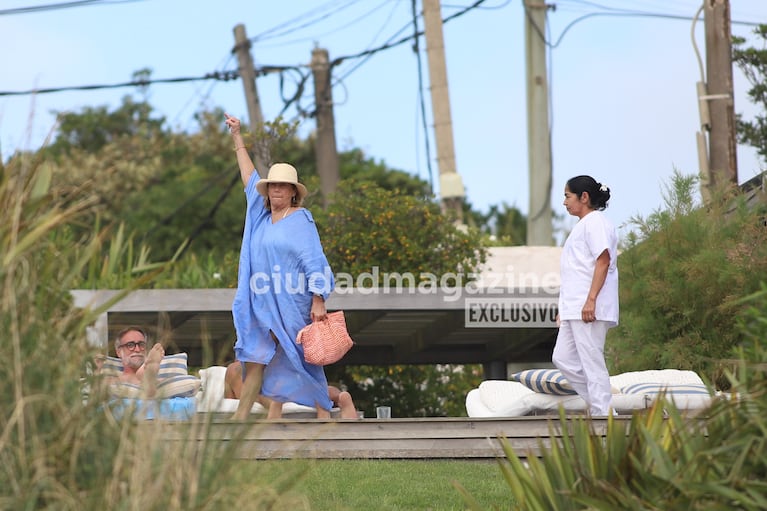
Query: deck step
{"type": "Point", "coordinates": [421, 438]}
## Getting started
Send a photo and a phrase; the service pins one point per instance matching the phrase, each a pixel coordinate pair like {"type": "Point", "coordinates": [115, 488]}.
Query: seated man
{"type": "Point", "coordinates": [139, 367]}
{"type": "Point", "coordinates": [233, 386]}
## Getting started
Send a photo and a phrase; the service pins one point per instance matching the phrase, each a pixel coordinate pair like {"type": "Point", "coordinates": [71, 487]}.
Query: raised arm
{"type": "Point", "coordinates": [243, 158]}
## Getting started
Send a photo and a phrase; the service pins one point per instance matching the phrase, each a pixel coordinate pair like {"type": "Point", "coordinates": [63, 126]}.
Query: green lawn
{"type": "Point", "coordinates": [396, 485]}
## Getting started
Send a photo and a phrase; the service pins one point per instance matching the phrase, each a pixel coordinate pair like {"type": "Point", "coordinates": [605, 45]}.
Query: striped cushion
{"type": "Point", "coordinates": [178, 386]}
{"type": "Point", "coordinates": [671, 389]}
{"type": "Point", "coordinates": [170, 365]}
{"type": "Point", "coordinates": [111, 366]}
{"type": "Point", "coordinates": [173, 365]}
{"type": "Point", "coordinates": [124, 389]}
{"type": "Point", "coordinates": [545, 381]}
{"type": "Point", "coordinates": [174, 386]}
{"type": "Point", "coordinates": [173, 379]}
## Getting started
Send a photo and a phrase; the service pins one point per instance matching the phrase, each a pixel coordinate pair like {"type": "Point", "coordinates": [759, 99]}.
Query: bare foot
{"type": "Point", "coordinates": [275, 410]}
{"type": "Point", "coordinates": [345, 403]}
{"type": "Point", "coordinates": [321, 412]}
{"type": "Point", "coordinates": [151, 368]}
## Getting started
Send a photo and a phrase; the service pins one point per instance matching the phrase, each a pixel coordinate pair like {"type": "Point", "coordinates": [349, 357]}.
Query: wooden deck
{"type": "Point", "coordinates": [423, 438]}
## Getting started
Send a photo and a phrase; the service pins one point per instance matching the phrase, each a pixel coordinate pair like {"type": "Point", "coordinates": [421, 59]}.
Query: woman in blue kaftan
{"type": "Point", "coordinates": [284, 279]}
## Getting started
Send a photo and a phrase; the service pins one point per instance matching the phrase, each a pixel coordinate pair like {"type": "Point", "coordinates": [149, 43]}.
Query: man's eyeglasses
{"type": "Point", "coordinates": [132, 345]}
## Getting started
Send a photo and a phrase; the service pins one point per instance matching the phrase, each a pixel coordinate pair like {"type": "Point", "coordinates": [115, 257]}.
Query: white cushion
{"type": "Point", "coordinates": [549, 403]}
{"type": "Point", "coordinates": [684, 397]}
{"type": "Point", "coordinates": [500, 398]}
{"type": "Point", "coordinates": [503, 398]}
{"type": "Point", "coordinates": [668, 376]}
{"type": "Point", "coordinates": [211, 399]}
{"type": "Point", "coordinates": [474, 405]}
{"type": "Point", "coordinates": [670, 389]}
{"type": "Point", "coordinates": [212, 388]}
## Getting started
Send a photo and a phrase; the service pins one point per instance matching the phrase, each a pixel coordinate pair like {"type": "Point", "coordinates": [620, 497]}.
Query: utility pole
{"type": "Point", "coordinates": [325, 146]}
{"type": "Point", "coordinates": [539, 228]}
{"type": "Point", "coordinates": [248, 76]}
{"type": "Point", "coordinates": [451, 188]}
{"type": "Point", "coordinates": [722, 150]}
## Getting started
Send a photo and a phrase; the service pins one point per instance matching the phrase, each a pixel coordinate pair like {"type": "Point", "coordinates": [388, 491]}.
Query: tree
{"type": "Point", "coordinates": [753, 63]}
{"type": "Point", "coordinates": [505, 225]}
{"type": "Point", "coordinates": [367, 226]}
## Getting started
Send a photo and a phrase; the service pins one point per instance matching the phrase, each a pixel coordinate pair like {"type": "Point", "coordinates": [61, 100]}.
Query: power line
{"type": "Point", "coordinates": [216, 75]}
{"type": "Point", "coordinates": [421, 101]}
{"type": "Point", "coordinates": [322, 16]}
{"type": "Point", "coordinates": [63, 5]}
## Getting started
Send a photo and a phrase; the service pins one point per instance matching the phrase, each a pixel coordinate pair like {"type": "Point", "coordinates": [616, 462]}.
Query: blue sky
{"type": "Point", "coordinates": [623, 103]}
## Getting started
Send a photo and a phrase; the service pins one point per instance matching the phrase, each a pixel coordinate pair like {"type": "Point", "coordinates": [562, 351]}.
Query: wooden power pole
{"type": "Point", "coordinates": [722, 147]}
{"type": "Point", "coordinates": [451, 188]}
{"type": "Point", "coordinates": [325, 146]}
{"type": "Point", "coordinates": [248, 76]}
{"type": "Point", "coordinates": [539, 228]}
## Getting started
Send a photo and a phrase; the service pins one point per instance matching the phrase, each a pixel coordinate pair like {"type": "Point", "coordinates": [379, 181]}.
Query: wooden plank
{"type": "Point", "coordinates": [372, 438]}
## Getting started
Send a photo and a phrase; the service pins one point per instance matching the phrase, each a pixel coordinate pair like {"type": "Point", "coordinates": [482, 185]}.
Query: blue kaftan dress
{"type": "Point", "coordinates": [281, 266]}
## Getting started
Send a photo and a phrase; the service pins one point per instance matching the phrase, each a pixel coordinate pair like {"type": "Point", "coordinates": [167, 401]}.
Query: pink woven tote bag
{"type": "Point", "coordinates": [325, 342]}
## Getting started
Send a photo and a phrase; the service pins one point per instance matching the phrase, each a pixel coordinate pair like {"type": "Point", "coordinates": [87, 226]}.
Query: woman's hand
{"type": "Point", "coordinates": [589, 312]}
{"type": "Point", "coordinates": [233, 123]}
{"type": "Point", "coordinates": [319, 312]}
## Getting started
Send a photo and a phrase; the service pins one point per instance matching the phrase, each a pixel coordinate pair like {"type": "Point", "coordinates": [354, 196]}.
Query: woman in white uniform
{"type": "Point", "coordinates": [588, 296]}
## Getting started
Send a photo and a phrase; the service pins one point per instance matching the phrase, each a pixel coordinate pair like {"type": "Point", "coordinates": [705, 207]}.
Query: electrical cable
{"type": "Point", "coordinates": [695, 44]}
{"type": "Point", "coordinates": [424, 119]}
{"type": "Point", "coordinates": [216, 75]}
{"type": "Point", "coordinates": [266, 35]}
{"type": "Point", "coordinates": [64, 5]}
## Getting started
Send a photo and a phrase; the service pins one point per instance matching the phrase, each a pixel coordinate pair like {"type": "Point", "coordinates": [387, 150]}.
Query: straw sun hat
{"type": "Point", "coordinates": [282, 173]}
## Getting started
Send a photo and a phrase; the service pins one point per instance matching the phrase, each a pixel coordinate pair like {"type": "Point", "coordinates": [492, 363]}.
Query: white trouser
{"type": "Point", "coordinates": [580, 355]}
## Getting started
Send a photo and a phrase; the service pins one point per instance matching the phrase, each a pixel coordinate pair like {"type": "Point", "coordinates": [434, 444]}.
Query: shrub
{"type": "Point", "coordinates": [681, 279]}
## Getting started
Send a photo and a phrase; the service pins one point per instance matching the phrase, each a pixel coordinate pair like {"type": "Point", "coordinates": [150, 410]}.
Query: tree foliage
{"type": "Point", "coordinates": [411, 391]}
{"type": "Point", "coordinates": [681, 278]}
{"type": "Point", "coordinates": [369, 227]}
{"type": "Point", "coordinates": [753, 63]}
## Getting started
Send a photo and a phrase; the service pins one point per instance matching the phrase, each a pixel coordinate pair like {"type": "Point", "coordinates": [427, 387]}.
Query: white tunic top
{"type": "Point", "coordinates": [590, 237]}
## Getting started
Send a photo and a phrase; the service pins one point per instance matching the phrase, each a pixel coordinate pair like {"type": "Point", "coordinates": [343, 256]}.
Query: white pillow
{"type": "Point", "coordinates": [474, 405]}
{"type": "Point", "coordinates": [212, 395]}
{"type": "Point", "coordinates": [684, 397]}
{"type": "Point", "coordinates": [670, 389]}
{"type": "Point", "coordinates": [668, 376]}
{"type": "Point", "coordinates": [550, 403]}
{"type": "Point", "coordinates": [504, 398]}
